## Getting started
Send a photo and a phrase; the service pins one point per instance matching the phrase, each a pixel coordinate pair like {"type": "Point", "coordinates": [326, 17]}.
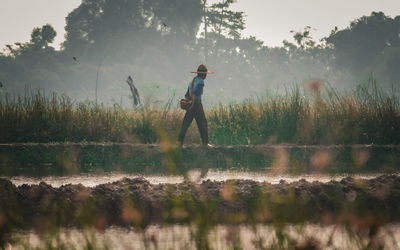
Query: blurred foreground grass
{"type": "Point", "coordinates": [307, 236]}
{"type": "Point", "coordinates": [351, 213]}
{"type": "Point", "coordinates": [315, 115]}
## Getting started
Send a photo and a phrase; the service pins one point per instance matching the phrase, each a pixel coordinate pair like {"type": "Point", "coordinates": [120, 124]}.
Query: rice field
{"type": "Point", "coordinates": [308, 169]}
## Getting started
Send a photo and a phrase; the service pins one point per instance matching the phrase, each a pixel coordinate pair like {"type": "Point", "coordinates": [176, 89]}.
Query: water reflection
{"type": "Point", "coordinates": [37, 160]}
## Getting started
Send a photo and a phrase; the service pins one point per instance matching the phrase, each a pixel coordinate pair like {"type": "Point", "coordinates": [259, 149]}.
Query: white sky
{"type": "Point", "coordinates": [272, 20]}
{"type": "Point", "coordinates": [268, 20]}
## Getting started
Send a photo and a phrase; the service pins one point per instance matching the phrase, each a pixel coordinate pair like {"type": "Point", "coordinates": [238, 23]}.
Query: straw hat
{"type": "Point", "coordinates": [202, 69]}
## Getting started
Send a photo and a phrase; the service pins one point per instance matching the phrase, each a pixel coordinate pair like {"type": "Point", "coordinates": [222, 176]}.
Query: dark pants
{"type": "Point", "coordinates": [197, 113]}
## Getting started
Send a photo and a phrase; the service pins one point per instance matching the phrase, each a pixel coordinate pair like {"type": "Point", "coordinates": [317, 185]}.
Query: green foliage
{"type": "Point", "coordinates": [303, 39]}
{"type": "Point", "coordinates": [365, 39]}
{"type": "Point", "coordinates": [96, 26]}
{"type": "Point", "coordinates": [41, 37]}
{"type": "Point", "coordinates": [223, 21]}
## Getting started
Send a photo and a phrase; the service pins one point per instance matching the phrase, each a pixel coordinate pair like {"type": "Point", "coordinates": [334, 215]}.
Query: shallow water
{"type": "Point", "coordinates": [66, 159]}
{"type": "Point", "coordinates": [91, 180]}
{"type": "Point", "coordinates": [218, 237]}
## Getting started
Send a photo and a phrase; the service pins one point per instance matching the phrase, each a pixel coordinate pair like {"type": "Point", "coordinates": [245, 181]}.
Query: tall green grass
{"type": "Point", "coordinates": [365, 116]}
{"type": "Point", "coordinates": [300, 116]}
{"type": "Point", "coordinates": [39, 118]}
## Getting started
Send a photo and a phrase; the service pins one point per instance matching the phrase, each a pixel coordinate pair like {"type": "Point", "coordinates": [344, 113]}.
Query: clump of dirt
{"type": "Point", "coordinates": [137, 202]}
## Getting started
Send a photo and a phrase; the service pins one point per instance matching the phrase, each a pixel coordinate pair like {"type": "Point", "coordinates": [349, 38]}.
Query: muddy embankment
{"type": "Point", "coordinates": [136, 202]}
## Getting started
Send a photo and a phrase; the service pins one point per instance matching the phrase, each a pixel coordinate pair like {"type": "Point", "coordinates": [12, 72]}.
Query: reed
{"type": "Point", "coordinates": [323, 116]}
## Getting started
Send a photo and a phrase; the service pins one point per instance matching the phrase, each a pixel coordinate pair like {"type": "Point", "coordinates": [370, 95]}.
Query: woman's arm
{"type": "Point", "coordinates": [194, 99]}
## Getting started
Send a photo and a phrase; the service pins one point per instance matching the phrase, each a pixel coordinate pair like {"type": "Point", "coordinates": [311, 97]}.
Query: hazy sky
{"type": "Point", "coordinates": [268, 20]}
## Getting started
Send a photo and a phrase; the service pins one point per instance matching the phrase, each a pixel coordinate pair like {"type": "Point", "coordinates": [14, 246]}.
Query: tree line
{"type": "Point", "coordinates": [158, 42]}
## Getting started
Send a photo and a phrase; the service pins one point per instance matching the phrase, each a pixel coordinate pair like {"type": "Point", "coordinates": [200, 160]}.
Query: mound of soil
{"type": "Point", "coordinates": [137, 202]}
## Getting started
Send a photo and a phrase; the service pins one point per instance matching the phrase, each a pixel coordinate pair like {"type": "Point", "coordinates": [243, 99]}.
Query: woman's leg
{"type": "Point", "coordinates": [187, 120]}
{"type": "Point", "coordinates": [202, 123]}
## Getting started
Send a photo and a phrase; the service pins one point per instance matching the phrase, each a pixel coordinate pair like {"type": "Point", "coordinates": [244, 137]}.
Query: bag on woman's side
{"type": "Point", "coordinates": [187, 103]}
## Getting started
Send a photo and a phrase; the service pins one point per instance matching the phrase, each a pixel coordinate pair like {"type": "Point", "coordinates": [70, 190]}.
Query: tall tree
{"type": "Point", "coordinates": [221, 23]}
{"type": "Point", "coordinates": [130, 25]}
{"type": "Point", "coordinates": [358, 45]}
{"type": "Point", "coordinates": [41, 37]}
{"type": "Point", "coordinates": [97, 23]}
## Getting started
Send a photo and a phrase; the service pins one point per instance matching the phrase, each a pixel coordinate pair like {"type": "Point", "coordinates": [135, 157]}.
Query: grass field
{"type": "Point", "coordinates": [313, 115]}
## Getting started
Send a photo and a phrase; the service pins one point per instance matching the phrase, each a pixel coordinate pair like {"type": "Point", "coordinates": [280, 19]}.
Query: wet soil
{"type": "Point", "coordinates": [137, 202]}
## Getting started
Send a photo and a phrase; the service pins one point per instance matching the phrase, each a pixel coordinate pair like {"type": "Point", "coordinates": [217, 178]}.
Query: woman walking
{"type": "Point", "coordinates": [194, 92]}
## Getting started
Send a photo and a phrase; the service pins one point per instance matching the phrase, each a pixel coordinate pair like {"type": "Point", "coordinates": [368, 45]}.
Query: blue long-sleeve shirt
{"type": "Point", "coordinates": [197, 88]}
